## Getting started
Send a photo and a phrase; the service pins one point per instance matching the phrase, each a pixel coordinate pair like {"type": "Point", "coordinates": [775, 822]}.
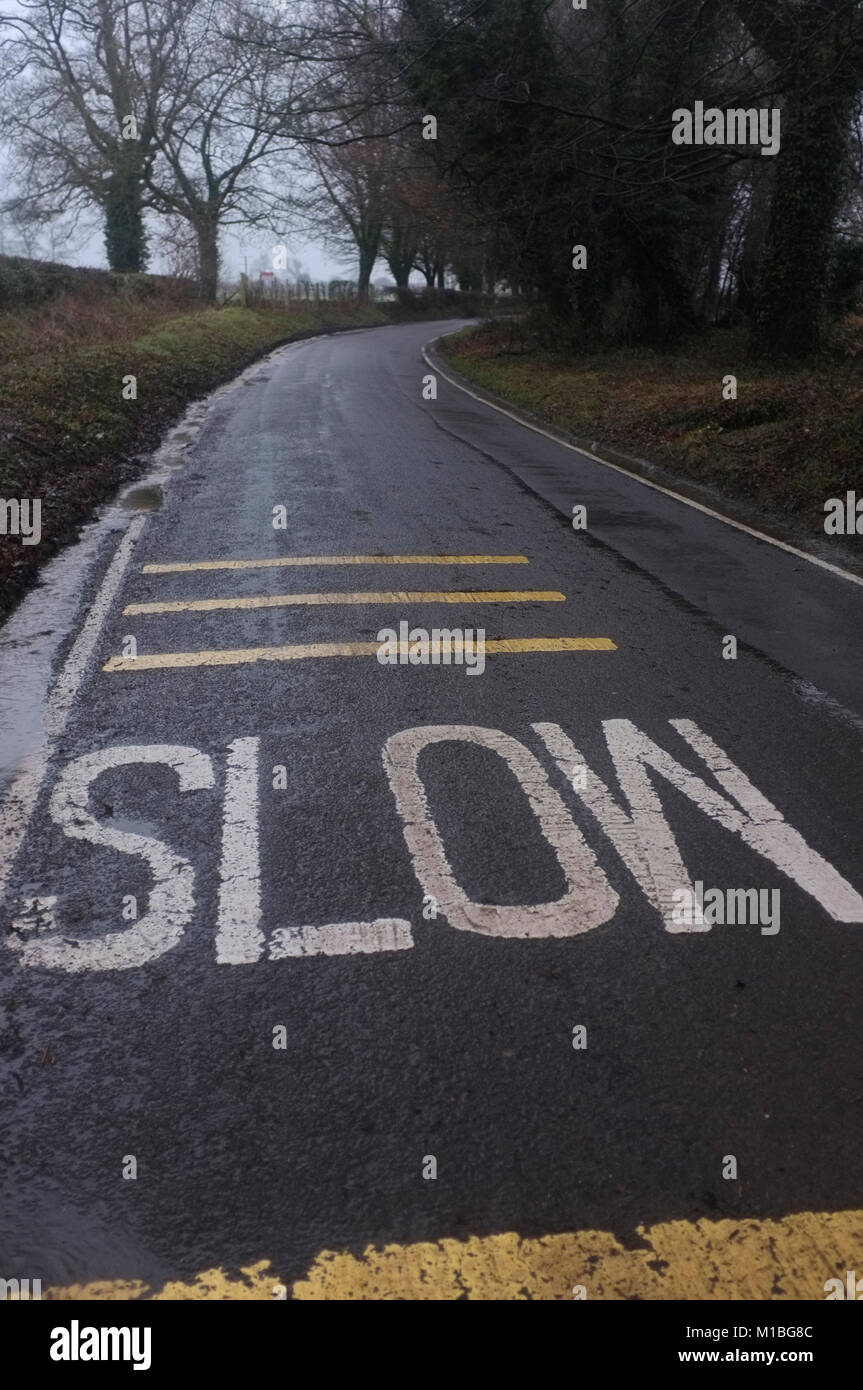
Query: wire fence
{"type": "Point", "coordinates": [268, 289]}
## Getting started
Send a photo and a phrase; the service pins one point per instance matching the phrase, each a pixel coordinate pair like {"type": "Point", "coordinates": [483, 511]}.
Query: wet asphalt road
{"type": "Point", "coordinates": [459, 1046]}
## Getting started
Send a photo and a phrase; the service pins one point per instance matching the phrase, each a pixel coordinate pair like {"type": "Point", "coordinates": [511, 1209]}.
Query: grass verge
{"type": "Point", "coordinates": [792, 439]}
{"type": "Point", "coordinates": [67, 436]}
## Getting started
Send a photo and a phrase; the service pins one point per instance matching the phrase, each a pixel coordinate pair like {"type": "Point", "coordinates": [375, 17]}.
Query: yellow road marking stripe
{"type": "Point", "coordinates": [241, 655]}
{"type": "Point", "coordinates": [211, 605]}
{"type": "Point", "coordinates": [295, 560]}
{"type": "Point", "coordinates": [726, 1259]}
{"type": "Point", "coordinates": [746, 1259]}
{"type": "Point", "coordinates": [510, 645]}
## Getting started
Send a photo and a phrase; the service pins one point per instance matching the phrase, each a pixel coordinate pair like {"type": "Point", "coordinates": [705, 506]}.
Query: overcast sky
{"type": "Point", "coordinates": [87, 247]}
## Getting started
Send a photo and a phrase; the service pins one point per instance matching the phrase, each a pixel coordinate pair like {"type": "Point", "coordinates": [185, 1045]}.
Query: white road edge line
{"type": "Point", "coordinates": [636, 478]}
{"type": "Point", "coordinates": [24, 791]}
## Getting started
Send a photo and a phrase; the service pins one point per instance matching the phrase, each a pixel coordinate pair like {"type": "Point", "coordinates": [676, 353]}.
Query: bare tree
{"type": "Point", "coordinates": [217, 149]}
{"type": "Point", "coordinates": [349, 205]}
{"type": "Point", "coordinates": [347, 117]}
{"type": "Point", "coordinates": [179, 247]}
{"type": "Point", "coordinates": [79, 81]}
{"type": "Point", "coordinates": [137, 104]}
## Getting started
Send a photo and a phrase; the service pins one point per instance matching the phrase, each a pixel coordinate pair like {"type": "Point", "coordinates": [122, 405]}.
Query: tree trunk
{"type": "Point", "coordinates": [751, 256]}
{"type": "Point", "coordinates": [368, 256]}
{"type": "Point", "coordinates": [207, 232]}
{"type": "Point", "coordinates": [808, 189]}
{"type": "Point", "coordinates": [400, 269]}
{"type": "Point", "coordinates": [818, 52]}
{"type": "Point", "coordinates": [125, 238]}
{"type": "Point", "coordinates": [712, 285]}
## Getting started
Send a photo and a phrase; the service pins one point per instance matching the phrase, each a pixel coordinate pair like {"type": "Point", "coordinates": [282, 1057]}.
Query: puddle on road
{"type": "Point", "coordinates": [141, 499]}
{"type": "Point", "coordinates": [50, 1236]}
{"type": "Point", "coordinates": [131, 825]}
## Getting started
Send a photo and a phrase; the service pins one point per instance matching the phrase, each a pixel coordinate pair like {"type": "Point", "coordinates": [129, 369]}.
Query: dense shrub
{"type": "Point", "coordinates": [24, 281]}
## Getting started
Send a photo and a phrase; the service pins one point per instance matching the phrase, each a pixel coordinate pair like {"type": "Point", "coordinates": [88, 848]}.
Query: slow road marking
{"type": "Point", "coordinates": [636, 826]}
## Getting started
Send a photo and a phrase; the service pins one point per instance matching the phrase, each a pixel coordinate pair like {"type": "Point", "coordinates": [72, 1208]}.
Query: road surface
{"type": "Point", "coordinates": [376, 980]}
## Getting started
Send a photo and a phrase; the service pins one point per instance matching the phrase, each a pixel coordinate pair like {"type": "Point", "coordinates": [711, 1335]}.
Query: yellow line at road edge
{"type": "Point", "coordinates": [791, 1258]}
{"type": "Point", "coordinates": [240, 656]}
{"type": "Point", "coordinates": [212, 605]}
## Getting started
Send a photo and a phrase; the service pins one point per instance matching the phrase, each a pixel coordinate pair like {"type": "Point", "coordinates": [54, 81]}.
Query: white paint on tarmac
{"type": "Point", "coordinates": [638, 830]}
{"type": "Point", "coordinates": [24, 791]}
{"type": "Point", "coordinates": [342, 939]}
{"type": "Point", "coordinates": [765, 830]}
{"type": "Point", "coordinates": [645, 841]}
{"type": "Point", "coordinates": [171, 901]}
{"type": "Point", "coordinates": [239, 939]}
{"type": "Point", "coordinates": [589, 900]}
{"type": "Point", "coordinates": [637, 477]}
